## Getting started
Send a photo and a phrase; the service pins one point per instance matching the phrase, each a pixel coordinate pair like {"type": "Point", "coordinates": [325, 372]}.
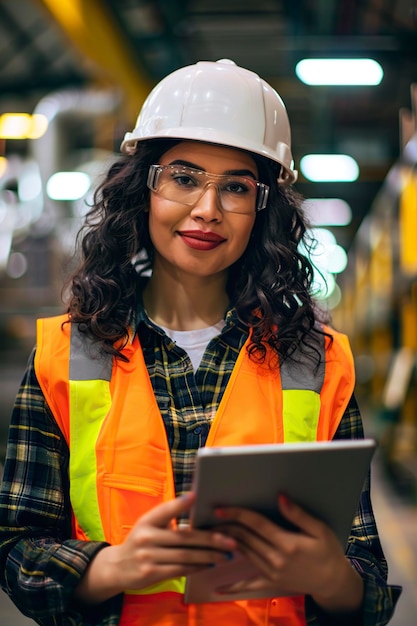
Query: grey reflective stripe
{"type": "Point", "coordinates": [86, 360]}
{"type": "Point", "coordinates": [300, 371]}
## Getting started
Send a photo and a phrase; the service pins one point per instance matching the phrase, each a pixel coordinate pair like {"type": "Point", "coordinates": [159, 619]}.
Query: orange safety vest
{"type": "Point", "coordinates": [120, 463]}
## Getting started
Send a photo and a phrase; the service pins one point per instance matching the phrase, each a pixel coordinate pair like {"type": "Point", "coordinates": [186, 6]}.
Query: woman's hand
{"type": "Point", "coordinates": [155, 550]}
{"type": "Point", "coordinates": [310, 561]}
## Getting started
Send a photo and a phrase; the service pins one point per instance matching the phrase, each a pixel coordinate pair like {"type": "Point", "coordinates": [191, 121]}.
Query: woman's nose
{"type": "Point", "coordinates": [208, 206]}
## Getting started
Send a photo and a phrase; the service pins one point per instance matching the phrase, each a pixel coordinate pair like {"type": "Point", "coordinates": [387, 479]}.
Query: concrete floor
{"type": "Point", "coordinates": [397, 524]}
{"type": "Point", "coordinates": [10, 616]}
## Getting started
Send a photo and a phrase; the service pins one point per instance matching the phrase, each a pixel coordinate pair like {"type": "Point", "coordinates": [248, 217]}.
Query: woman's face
{"type": "Point", "coordinates": [202, 239]}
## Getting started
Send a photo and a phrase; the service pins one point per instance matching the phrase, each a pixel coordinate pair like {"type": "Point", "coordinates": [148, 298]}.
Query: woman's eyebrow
{"type": "Point", "coordinates": [194, 166]}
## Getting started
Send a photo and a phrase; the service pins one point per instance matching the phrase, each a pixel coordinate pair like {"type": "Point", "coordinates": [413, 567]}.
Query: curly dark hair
{"type": "Point", "coordinates": [269, 285]}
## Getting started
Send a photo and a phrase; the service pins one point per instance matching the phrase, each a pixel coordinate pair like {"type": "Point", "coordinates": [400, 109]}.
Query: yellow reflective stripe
{"type": "Point", "coordinates": [301, 411]}
{"type": "Point", "coordinates": [90, 402]}
{"type": "Point", "coordinates": [176, 585]}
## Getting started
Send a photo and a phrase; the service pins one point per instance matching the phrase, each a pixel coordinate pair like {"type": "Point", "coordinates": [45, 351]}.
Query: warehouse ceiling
{"type": "Point", "coordinates": [49, 46]}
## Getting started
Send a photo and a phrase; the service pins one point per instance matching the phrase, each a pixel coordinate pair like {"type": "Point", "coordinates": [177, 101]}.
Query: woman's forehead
{"type": "Point", "coordinates": [207, 155]}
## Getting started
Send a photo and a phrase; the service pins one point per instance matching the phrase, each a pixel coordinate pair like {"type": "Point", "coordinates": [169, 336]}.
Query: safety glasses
{"type": "Point", "coordinates": [186, 185]}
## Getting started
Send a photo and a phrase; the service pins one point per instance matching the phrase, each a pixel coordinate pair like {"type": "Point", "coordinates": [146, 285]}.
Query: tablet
{"type": "Point", "coordinates": [326, 478]}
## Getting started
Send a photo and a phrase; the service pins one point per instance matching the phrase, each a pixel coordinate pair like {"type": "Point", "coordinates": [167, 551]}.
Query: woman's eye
{"type": "Point", "coordinates": [236, 187]}
{"type": "Point", "coordinates": [183, 180]}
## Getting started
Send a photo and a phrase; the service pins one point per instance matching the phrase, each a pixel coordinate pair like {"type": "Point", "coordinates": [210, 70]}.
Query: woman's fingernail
{"type": "Point", "coordinates": [284, 500]}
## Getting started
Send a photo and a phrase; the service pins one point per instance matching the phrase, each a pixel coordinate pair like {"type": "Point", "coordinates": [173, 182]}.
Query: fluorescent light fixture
{"type": "Point", "coordinates": [327, 257]}
{"type": "Point", "coordinates": [3, 165]}
{"type": "Point", "coordinates": [327, 211]}
{"type": "Point", "coordinates": [68, 185]}
{"type": "Point", "coordinates": [329, 168]}
{"type": "Point", "coordinates": [323, 285]}
{"type": "Point", "coordinates": [22, 126]}
{"type": "Point", "coordinates": [335, 298]}
{"type": "Point", "coordinates": [339, 72]}
{"type": "Point", "coordinates": [17, 265]}
{"type": "Point", "coordinates": [29, 185]}
{"type": "Point", "coordinates": [15, 125]}
{"type": "Point", "coordinates": [39, 126]}
{"type": "Point", "coordinates": [323, 236]}
{"type": "Point", "coordinates": [6, 237]}
{"type": "Point", "coordinates": [333, 259]}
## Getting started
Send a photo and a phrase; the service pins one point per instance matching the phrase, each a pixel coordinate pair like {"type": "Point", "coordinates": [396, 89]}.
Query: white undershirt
{"type": "Point", "coordinates": [194, 342]}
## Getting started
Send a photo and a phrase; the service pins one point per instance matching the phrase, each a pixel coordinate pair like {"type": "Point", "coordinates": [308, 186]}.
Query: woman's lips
{"type": "Point", "coordinates": [201, 240]}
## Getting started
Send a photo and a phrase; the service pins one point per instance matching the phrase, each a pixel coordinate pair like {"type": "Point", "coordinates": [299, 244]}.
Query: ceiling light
{"type": "Point", "coordinates": [335, 298]}
{"type": "Point", "coordinates": [39, 126]}
{"type": "Point", "coordinates": [29, 185]}
{"type": "Point", "coordinates": [339, 72]}
{"type": "Point", "coordinates": [323, 251]}
{"type": "Point", "coordinates": [327, 211]}
{"type": "Point", "coordinates": [22, 126]}
{"type": "Point", "coordinates": [329, 168]}
{"type": "Point", "coordinates": [17, 265]}
{"type": "Point", "coordinates": [15, 125]}
{"type": "Point", "coordinates": [323, 285]}
{"type": "Point", "coordinates": [3, 165]}
{"type": "Point", "coordinates": [323, 236]}
{"type": "Point", "coordinates": [331, 258]}
{"type": "Point", "coordinates": [68, 185]}
{"type": "Point", "coordinates": [326, 254]}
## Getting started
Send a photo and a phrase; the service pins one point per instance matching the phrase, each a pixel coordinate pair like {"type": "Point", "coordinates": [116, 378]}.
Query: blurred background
{"type": "Point", "coordinates": [73, 77]}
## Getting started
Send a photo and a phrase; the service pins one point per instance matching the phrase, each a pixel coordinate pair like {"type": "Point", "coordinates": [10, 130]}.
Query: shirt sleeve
{"type": "Point", "coordinates": [40, 565]}
{"type": "Point", "coordinates": [364, 552]}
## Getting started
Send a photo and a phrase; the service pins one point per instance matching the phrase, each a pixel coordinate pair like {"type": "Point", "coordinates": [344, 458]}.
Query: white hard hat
{"type": "Point", "coordinates": [221, 103]}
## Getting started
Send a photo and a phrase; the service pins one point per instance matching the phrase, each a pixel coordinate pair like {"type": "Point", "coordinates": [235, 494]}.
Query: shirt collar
{"type": "Point", "coordinates": [141, 317]}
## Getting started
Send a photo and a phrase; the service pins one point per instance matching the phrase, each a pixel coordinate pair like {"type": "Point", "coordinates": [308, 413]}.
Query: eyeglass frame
{"type": "Point", "coordinates": [262, 188]}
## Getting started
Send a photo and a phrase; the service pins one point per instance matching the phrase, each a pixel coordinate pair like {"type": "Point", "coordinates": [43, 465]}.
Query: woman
{"type": "Point", "coordinates": [190, 297]}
